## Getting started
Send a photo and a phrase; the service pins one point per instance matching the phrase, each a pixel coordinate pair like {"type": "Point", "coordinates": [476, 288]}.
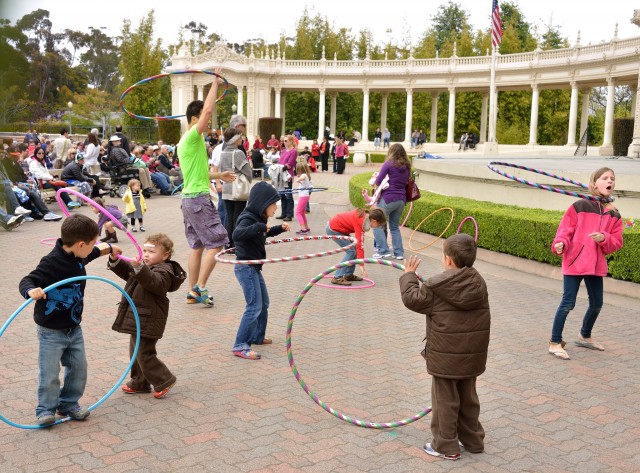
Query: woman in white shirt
{"type": "Point", "coordinates": [91, 154]}
{"type": "Point", "coordinates": [39, 171]}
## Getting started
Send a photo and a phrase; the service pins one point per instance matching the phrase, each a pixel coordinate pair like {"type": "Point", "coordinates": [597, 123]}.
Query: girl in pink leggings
{"type": "Point", "coordinates": [304, 193]}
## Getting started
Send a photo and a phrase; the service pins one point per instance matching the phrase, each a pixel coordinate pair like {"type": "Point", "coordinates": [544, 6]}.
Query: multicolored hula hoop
{"type": "Point", "coordinates": [593, 198]}
{"type": "Point", "coordinates": [292, 258]}
{"type": "Point", "coordinates": [126, 371]}
{"type": "Point", "coordinates": [469, 217]}
{"type": "Point", "coordinates": [305, 386]}
{"type": "Point", "coordinates": [424, 220]}
{"type": "Point", "coordinates": [103, 211]}
{"type": "Point", "coordinates": [348, 288]}
{"type": "Point", "coordinates": [160, 76]}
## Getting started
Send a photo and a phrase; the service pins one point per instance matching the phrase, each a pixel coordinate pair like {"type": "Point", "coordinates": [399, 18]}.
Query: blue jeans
{"type": "Point", "coordinates": [221, 210]}
{"type": "Point", "coordinates": [349, 254]}
{"type": "Point", "coordinates": [393, 211]}
{"type": "Point", "coordinates": [571, 286]}
{"type": "Point", "coordinates": [161, 180]}
{"type": "Point", "coordinates": [376, 142]}
{"type": "Point", "coordinates": [66, 347]}
{"type": "Point", "coordinates": [253, 325]}
{"type": "Point", "coordinates": [286, 202]}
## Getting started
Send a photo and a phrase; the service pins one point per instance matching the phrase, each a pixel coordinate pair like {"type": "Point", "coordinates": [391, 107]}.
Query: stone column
{"type": "Point", "coordinates": [240, 103]}
{"type": "Point", "coordinates": [383, 111]}
{"type": "Point", "coordinates": [332, 113]}
{"type": "Point", "coordinates": [634, 147]}
{"type": "Point", "coordinates": [434, 117]}
{"type": "Point", "coordinates": [365, 115]}
{"type": "Point", "coordinates": [200, 92]}
{"type": "Point", "coordinates": [278, 90]}
{"type": "Point", "coordinates": [607, 145]}
{"type": "Point", "coordinates": [408, 117]}
{"type": "Point", "coordinates": [584, 115]}
{"type": "Point", "coordinates": [573, 114]}
{"type": "Point", "coordinates": [533, 123]}
{"type": "Point", "coordinates": [452, 115]}
{"type": "Point", "coordinates": [483, 117]}
{"type": "Point", "coordinates": [283, 110]}
{"type": "Point", "coordinates": [321, 115]}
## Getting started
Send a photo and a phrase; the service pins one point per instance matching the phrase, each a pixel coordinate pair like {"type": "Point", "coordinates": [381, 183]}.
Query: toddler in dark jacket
{"type": "Point", "coordinates": [456, 304]}
{"type": "Point", "coordinates": [148, 282]}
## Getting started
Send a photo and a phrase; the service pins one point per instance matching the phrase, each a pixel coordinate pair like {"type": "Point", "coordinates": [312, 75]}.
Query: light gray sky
{"type": "Point", "coordinates": [268, 19]}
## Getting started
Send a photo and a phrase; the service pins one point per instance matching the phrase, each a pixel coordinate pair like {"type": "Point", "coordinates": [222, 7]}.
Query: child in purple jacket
{"type": "Point", "coordinates": [109, 226]}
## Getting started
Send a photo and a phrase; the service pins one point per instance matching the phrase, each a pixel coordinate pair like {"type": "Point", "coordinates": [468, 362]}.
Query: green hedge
{"type": "Point", "coordinates": [527, 233]}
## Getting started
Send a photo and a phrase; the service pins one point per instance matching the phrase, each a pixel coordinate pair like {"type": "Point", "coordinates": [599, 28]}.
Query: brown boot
{"type": "Point", "coordinates": [106, 237]}
{"type": "Point", "coordinates": [113, 238]}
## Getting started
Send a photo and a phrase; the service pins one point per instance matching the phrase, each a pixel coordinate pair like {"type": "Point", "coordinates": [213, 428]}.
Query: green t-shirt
{"type": "Point", "coordinates": [194, 163]}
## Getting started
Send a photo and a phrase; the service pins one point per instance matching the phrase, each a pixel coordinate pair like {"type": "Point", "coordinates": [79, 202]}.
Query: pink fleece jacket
{"type": "Point", "coordinates": [583, 256]}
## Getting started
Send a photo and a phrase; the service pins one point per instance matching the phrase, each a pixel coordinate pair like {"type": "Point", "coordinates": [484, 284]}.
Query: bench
{"type": "Point", "coordinates": [49, 195]}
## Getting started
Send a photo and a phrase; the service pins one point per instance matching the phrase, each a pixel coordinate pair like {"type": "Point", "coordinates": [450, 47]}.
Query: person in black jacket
{"type": "Point", "coordinates": [249, 236]}
{"type": "Point", "coordinates": [58, 314]}
{"type": "Point", "coordinates": [74, 173]}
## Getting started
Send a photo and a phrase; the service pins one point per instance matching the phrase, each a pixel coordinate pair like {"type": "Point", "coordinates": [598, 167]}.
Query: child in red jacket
{"type": "Point", "coordinates": [588, 231]}
{"type": "Point", "coordinates": [357, 222]}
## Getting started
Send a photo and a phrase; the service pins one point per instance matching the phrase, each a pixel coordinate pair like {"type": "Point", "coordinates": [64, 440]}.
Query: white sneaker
{"type": "Point", "coordinates": [15, 220]}
{"type": "Point", "coordinates": [381, 255]}
{"type": "Point", "coordinates": [28, 219]}
{"type": "Point", "coordinates": [21, 211]}
{"type": "Point", "coordinates": [51, 217]}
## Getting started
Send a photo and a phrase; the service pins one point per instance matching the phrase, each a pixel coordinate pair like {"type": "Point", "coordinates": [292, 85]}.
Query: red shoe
{"type": "Point", "coordinates": [163, 393]}
{"type": "Point", "coordinates": [129, 390]}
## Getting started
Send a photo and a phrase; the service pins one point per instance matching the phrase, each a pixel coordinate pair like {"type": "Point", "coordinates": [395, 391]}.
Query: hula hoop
{"type": "Point", "coordinates": [352, 288]}
{"type": "Point", "coordinates": [408, 214]}
{"type": "Point", "coordinates": [474, 223]}
{"type": "Point", "coordinates": [593, 198]}
{"type": "Point", "coordinates": [425, 219]}
{"type": "Point", "coordinates": [176, 189]}
{"type": "Point", "coordinates": [305, 386]}
{"type": "Point", "coordinates": [286, 259]}
{"type": "Point", "coordinates": [160, 76]}
{"type": "Point", "coordinates": [104, 212]}
{"type": "Point", "coordinates": [313, 189]}
{"type": "Point", "coordinates": [49, 241]}
{"type": "Point", "coordinates": [120, 380]}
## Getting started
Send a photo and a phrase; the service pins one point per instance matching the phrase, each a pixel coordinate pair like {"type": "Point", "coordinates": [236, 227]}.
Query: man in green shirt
{"type": "Point", "coordinates": [202, 224]}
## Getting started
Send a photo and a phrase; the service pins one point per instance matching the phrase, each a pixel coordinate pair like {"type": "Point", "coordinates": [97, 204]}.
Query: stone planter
{"type": "Point", "coordinates": [359, 159]}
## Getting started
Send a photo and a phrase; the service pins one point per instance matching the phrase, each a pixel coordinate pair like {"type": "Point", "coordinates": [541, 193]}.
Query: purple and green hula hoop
{"type": "Point", "coordinates": [286, 259]}
{"type": "Point", "coordinates": [305, 386]}
{"type": "Point", "coordinates": [160, 76]}
{"type": "Point", "coordinates": [492, 165]}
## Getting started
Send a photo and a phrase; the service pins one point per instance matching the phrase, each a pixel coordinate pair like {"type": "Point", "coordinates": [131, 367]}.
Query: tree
{"type": "Point", "coordinates": [100, 61]}
{"type": "Point", "coordinates": [140, 58]}
{"type": "Point", "coordinates": [448, 24]}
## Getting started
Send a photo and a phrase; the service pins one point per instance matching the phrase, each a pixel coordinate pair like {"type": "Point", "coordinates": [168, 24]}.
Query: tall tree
{"type": "Point", "coordinates": [141, 57]}
{"type": "Point", "coordinates": [100, 60]}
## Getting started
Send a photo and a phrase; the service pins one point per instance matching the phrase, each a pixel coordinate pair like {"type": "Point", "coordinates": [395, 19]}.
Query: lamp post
{"type": "Point", "coordinates": [70, 105]}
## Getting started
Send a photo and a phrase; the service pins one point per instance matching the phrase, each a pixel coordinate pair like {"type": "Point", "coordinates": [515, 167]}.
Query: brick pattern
{"type": "Point", "coordinates": [358, 350]}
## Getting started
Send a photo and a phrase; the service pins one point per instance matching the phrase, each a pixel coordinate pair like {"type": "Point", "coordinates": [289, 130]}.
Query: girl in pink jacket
{"type": "Point", "coordinates": [587, 233]}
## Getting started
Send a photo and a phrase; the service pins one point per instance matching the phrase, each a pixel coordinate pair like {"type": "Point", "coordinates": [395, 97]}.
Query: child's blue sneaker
{"type": "Point", "coordinates": [201, 295]}
{"type": "Point", "coordinates": [73, 205]}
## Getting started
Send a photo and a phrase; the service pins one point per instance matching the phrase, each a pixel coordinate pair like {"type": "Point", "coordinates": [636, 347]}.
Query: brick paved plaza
{"type": "Point", "coordinates": [358, 350]}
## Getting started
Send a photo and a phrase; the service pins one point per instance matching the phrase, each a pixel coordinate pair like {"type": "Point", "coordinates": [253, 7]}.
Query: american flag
{"type": "Point", "coordinates": [496, 25]}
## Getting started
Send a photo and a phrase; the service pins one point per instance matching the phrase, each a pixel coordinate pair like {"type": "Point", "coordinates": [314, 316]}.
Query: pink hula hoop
{"type": "Point", "coordinates": [292, 258]}
{"type": "Point", "coordinates": [49, 241]}
{"type": "Point", "coordinates": [408, 214]}
{"type": "Point", "coordinates": [469, 217]}
{"type": "Point", "coordinates": [352, 288]}
{"type": "Point", "coordinates": [104, 211]}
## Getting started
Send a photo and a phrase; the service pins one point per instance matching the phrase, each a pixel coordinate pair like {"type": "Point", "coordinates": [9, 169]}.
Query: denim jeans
{"type": "Point", "coordinates": [161, 180]}
{"type": "Point", "coordinates": [376, 142]}
{"type": "Point", "coordinates": [66, 347]}
{"type": "Point", "coordinates": [221, 210]}
{"type": "Point", "coordinates": [393, 211]}
{"type": "Point", "coordinates": [571, 286]}
{"type": "Point", "coordinates": [253, 325]}
{"type": "Point", "coordinates": [349, 254]}
{"type": "Point", "coordinates": [286, 202]}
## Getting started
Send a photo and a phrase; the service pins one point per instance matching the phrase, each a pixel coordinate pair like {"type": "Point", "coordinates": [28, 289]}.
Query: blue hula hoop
{"type": "Point", "coordinates": [115, 386]}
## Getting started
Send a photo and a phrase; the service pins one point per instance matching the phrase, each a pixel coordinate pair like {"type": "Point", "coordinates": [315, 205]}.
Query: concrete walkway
{"type": "Point", "coordinates": [358, 350]}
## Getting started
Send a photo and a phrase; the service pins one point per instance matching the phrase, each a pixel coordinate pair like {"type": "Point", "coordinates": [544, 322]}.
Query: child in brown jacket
{"type": "Point", "coordinates": [456, 304]}
{"type": "Point", "coordinates": [148, 282]}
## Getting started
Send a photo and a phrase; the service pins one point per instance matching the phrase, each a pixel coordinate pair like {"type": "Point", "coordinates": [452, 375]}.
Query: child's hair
{"type": "Point", "coordinates": [595, 175]}
{"type": "Point", "coordinates": [462, 249]}
{"type": "Point", "coordinates": [162, 240]}
{"type": "Point", "coordinates": [374, 214]}
{"type": "Point", "coordinates": [398, 156]}
{"type": "Point", "coordinates": [132, 182]}
{"type": "Point", "coordinates": [77, 228]}
{"type": "Point", "coordinates": [303, 168]}
{"type": "Point", "coordinates": [99, 201]}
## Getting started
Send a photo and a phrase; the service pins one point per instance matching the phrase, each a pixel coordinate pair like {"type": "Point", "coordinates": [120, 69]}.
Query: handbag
{"type": "Point", "coordinates": [240, 188]}
{"type": "Point", "coordinates": [413, 193]}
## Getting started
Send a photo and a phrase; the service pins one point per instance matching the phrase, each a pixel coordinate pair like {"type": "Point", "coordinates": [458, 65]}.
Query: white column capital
{"type": "Point", "coordinates": [534, 87]}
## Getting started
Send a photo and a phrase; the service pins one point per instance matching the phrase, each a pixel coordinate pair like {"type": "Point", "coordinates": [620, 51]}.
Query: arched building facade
{"type": "Point", "coordinates": [266, 81]}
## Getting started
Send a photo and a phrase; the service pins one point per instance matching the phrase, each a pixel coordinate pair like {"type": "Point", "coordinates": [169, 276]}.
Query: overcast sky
{"type": "Point", "coordinates": [268, 19]}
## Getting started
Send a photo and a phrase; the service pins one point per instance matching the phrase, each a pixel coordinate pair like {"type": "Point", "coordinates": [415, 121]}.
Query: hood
{"type": "Point", "coordinates": [178, 274]}
{"type": "Point", "coordinates": [462, 288]}
{"type": "Point", "coordinates": [261, 196]}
